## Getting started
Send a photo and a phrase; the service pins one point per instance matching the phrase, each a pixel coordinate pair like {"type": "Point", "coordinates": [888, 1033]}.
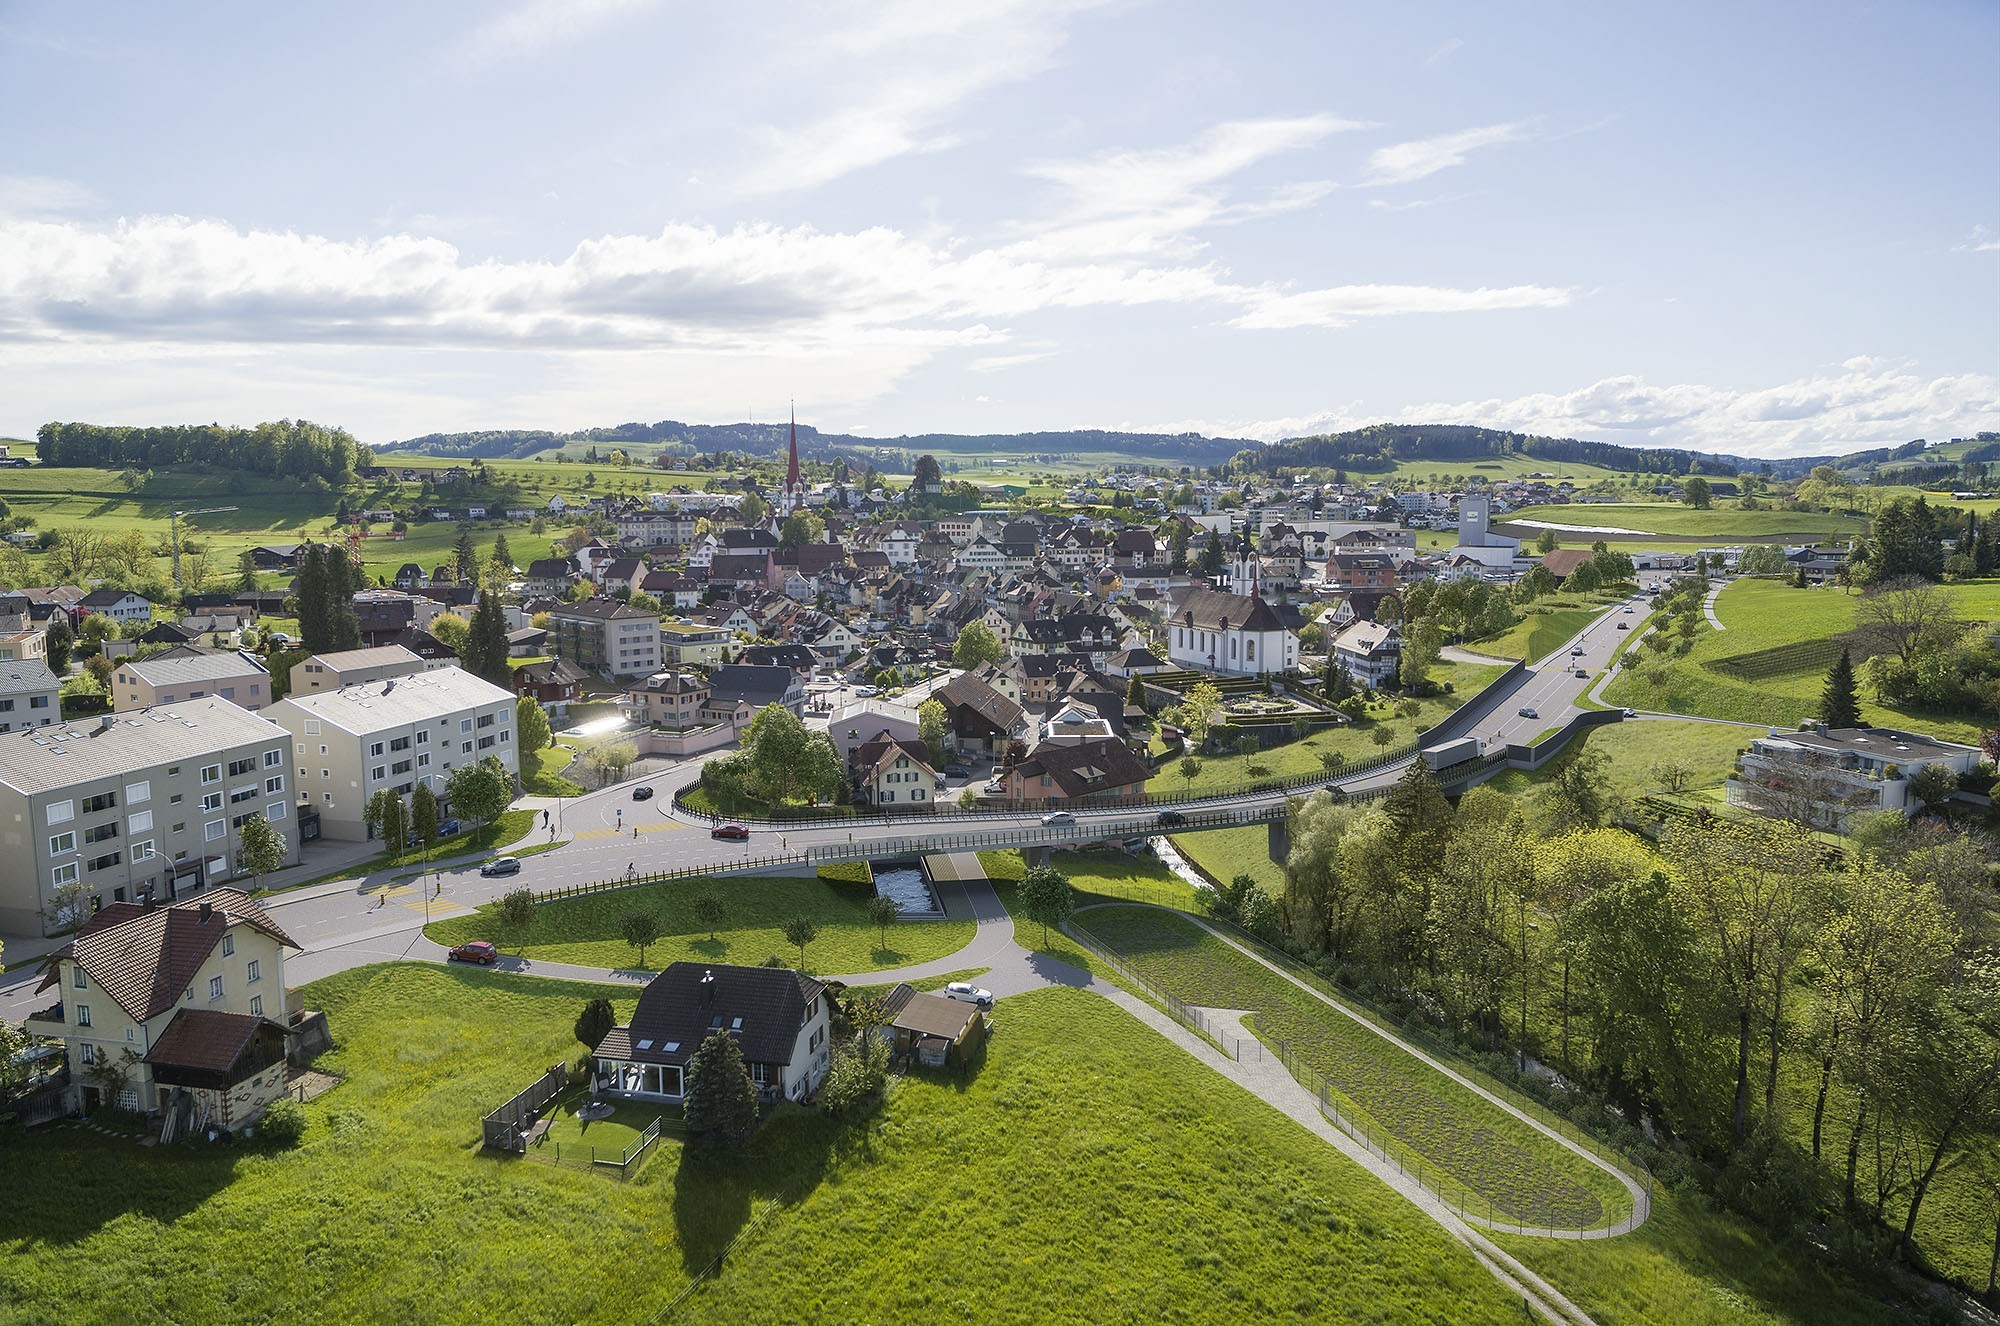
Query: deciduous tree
{"type": "Point", "coordinates": [640, 929]}
{"type": "Point", "coordinates": [261, 849]}
{"type": "Point", "coordinates": [1047, 898]}
{"type": "Point", "coordinates": [594, 1023]}
{"type": "Point", "coordinates": [801, 931]}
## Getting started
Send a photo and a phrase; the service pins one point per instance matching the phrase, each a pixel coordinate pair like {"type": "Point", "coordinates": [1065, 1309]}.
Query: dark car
{"type": "Point", "coordinates": [501, 865]}
{"type": "Point", "coordinates": [733, 832]}
{"type": "Point", "coordinates": [956, 771]}
{"type": "Point", "coordinates": [642, 794]}
{"type": "Point", "coordinates": [1167, 819]}
{"type": "Point", "coordinates": [480, 951]}
{"type": "Point", "coordinates": [448, 827]}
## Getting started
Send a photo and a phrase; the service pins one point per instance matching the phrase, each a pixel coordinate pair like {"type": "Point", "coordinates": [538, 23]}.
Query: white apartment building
{"type": "Point", "coordinates": [134, 805]}
{"type": "Point", "coordinates": [349, 667]}
{"type": "Point", "coordinates": [29, 695]}
{"type": "Point", "coordinates": [607, 637]}
{"type": "Point", "coordinates": [395, 733]}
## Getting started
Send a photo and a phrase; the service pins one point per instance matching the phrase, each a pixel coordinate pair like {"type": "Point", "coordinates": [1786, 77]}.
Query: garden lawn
{"type": "Point", "coordinates": [1759, 615]}
{"type": "Point", "coordinates": [389, 1207]}
{"type": "Point", "coordinates": [1524, 1175]}
{"type": "Point", "coordinates": [1087, 1172]}
{"type": "Point", "coordinates": [543, 774]}
{"type": "Point", "coordinates": [584, 930]}
{"type": "Point", "coordinates": [1545, 626]}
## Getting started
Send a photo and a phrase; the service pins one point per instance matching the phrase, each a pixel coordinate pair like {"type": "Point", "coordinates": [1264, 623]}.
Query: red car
{"type": "Point", "coordinates": [479, 950]}
{"type": "Point", "coordinates": [733, 832]}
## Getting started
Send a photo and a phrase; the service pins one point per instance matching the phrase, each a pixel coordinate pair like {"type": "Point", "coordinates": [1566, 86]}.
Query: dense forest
{"type": "Point", "coordinates": [1383, 446]}
{"type": "Point", "coordinates": [294, 448]}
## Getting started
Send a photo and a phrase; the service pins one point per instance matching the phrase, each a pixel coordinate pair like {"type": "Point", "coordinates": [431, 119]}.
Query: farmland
{"type": "Point", "coordinates": [1718, 524]}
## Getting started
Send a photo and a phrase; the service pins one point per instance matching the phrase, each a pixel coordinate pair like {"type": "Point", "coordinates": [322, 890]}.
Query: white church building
{"type": "Point", "coordinates": [1229, 634]}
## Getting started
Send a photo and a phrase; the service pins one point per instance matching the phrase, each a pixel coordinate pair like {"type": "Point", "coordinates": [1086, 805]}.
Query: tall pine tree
{"type": "Point", "coordinates": [486, 644]}
{"type": "Point", "coordinates": [721, 1101]}
{"type": "Point", "coordinates": [1839, 705]}
{"type": "Point", "coordinates": [465, 557]}
{"type": "Point", "coordinates": [500, 552]}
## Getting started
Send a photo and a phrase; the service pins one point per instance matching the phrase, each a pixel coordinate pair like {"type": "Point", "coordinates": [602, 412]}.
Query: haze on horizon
{"type": "Point", "coordinates": [1771, 230]}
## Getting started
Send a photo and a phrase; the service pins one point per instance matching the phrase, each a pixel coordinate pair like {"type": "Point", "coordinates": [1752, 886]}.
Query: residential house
{"type": "Point", "coordinates": [1370, 650]}
{"type": "Point", "coordinates": [669, 699]}
{"type": "Point", "coordinates": [779, 1020]}
{"type": "Point", "coordinates": [737, 690]}
{"type": "Point", "coordinates": [978, 718]}
{"type": "Point", "coordinates": [30, 695]}
{"type": "Point", "coordinates": [351, 743]}
{"type": "Point", "coordinates": [686, 645]}
{"type": "Point", "coordinates": [1360, 571]}
{"type": "Point", "coordinates": [937, 1032]}
{"type": "Point", "coordinates": [235, 676]}
{"type": "Point", "coordinates": [1824, 777]}
{"type": "Point", "coordinates": [120, 605]}
{"type": "Point", "coordinates": [893, 773]}
{"type": "Point", "coordinates": [190, 996]}
{"type": "Point", "coordinates": [607, 637]}
{"type": "Point", "coordinates": [1055, 773]}
{"type": "Point", "coordinates": [553, 684]}
{"type": "Point", "coordinates": [125, 806]}
{"type": "Point", "coordinates": [549, 575]}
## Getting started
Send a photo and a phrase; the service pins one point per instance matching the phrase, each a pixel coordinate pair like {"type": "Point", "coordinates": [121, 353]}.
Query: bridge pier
{"type": "Point", "coordinates": [1280, 838]}
{"type": "Point", "coordinates": [1035, 856]}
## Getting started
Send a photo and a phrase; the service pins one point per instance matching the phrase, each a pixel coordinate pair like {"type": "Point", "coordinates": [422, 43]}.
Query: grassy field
{"type": "Point", "coordinates": [1433, 473]}
{"type": "Point", "coordinates": [585, 930]}
{"type": "Point", "coordinates": [1636, 747]}
{"type": "Point", "coordinates": [1089, 1173]}
{"type": "Point", "coordinates": [1721, 523]}
{"type": "Point", "coordinates": [1356, 742]}
{"type": "Point", "coordinates": [1759, 615]}
{"type": "Point", "coordinates": [1226, 853]}
{"type": "Point", "coordinates": [1521, 1173]}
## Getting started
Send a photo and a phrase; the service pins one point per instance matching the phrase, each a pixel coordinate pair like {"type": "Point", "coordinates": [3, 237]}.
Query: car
{"type": "Point", "coordinates": [642, 794]}
{"type": "Point", "coordinates": [1623, 625]}
{"type": "Point", "coordinates": [956, 771]}
{"type": "Point", "coordinates": [449, 826]}
{"type": "Point", "coordinates": [1631, 713]}
{"type": "Point", "coordinates": [1576, 652]}
{"type": "Point", "coordinates": [1583, 672]}
{"type": "Point", "coordinates": [1059, 817]}
{"type": "Point", "coordinates": [733, 832]}
{"type": "Point", "coordinates": [867, 692]}
{"type": "Point", "coordinates": [501, 865]}
{"type": "Point", "coordinates": [1628, 608]}
{"type": "Point", "coordinates": [480, 951]}
{"type": "Point", "coordinates": [1528, 711]}
{"type": "Point", "coordinates": [967, 992]}
{"type": "Point", "coordinates": [1167, 819]}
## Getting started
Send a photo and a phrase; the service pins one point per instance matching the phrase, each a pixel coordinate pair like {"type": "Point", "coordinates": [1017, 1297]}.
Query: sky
{"type": "Point", "coordinates": [1771, 229]}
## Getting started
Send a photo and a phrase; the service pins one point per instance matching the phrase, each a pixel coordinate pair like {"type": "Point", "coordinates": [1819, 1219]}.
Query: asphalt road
{"type": "Point", "coordinates": [349, 924]}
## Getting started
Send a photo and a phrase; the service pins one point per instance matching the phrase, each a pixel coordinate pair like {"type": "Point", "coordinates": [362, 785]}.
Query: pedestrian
{"type": "Point", "coordinates": [635, 831]}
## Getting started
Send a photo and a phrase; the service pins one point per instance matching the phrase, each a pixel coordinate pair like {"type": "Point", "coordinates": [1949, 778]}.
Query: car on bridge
{"type": "Point", "coordinates": [1529, 711]}
{"type": "Point", "coordinates": [1059, 817]}
{"type": "Point", "coordinates": [733, 832]}
{"type": "Point", "coordinates": [1168, 819]}
{"type": "Point", "coordinates": [480, 951]}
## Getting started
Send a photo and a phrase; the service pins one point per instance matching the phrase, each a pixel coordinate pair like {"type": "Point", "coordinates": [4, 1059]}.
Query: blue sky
{"type": "Point", "coordinates": [1772, 229]}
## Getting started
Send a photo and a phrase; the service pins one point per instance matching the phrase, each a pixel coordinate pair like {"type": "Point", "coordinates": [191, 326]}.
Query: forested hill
{"type": "Point", "coordinates": [1381, 447]}
{"type": "Point", "coordinates": [770, 440]}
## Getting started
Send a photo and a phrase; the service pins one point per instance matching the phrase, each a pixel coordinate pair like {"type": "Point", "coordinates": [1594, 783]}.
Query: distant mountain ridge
{"type": "Point", "coordinates": [1374, 448]}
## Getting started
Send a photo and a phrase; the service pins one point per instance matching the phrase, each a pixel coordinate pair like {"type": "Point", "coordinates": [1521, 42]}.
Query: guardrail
{"type": "Point", "coordinates": [1541, 752]}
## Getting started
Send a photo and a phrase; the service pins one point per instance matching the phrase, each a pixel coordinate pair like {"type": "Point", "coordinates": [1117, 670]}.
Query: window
{"type": "Point", "coordinates": [274, 758]}
{"type": "Point", "coordinates": [81, 981]}
{"type": "Point", "coordinates": [89, 1053]}
{"type": "Point", "coordinates": [237, 768]}
{"type": "Point", "coordinates": [242, 794]}
{"type": "Point", "coordinates": [275, 811]}
{"type": "Point", "coordinates": [326, 773]}
{"type": "Point", "coordinates": [143, 851]}
{"type": "Point", "coordinates": [211, 773]}
{"type": "Point", "coordinates": [400, 743]}
{"type": "Point", "coordinates": [39, 702]}
{"type": "Point", "coordinates": [256, 1002]}
{"type": "Point", "coordinates": [465, 748]}
{"type": "Point", "coordinates": [312, 725]}
{"type": "Point", "coordinates": [375, 748]}
{"type": "Point", "coordinates": [101, 833]}
{"type": "Point", "coordinates": [212, 830]}
{"type": "Point", "coordinates": [140, 822]}
{"type": "Point", "coordinates": [485, 742]}
{"type": "Point", "coordinates": [139, 793]}
{"type": "Point", "coordinates": [377, 774]}
{"type": "Point", "coordinates": [424, 760]}
{"type": "Point", "coordinates": [228, 945]}
{"type": "Point", "coordinates": [180, 827]}
{"type": "Point", "coordinates": [213, 801]}
{"type": "Point", "coordinates": [465, 725]}
{"type": "Point", "coordinates": [60, 812]}
{"type": "Point", "coordinates": [173, 771]}
{"type": "Point", "coordinates": [6, 706]}
{"type": "Point", "coordinates": [424, 738]}
{"type": "Point", "coordinates": [61, 843]}
{"type": "Point", "coordinates": [102, 801]}
{"type": "Point", "coordinates": [400, 767]}
{"type": "Point", "coordinates": [274, 786]}
{"type": "Point", "coordinates": [108, 860]}
{"type": "Point", "coordinates": [486, 720]}
{"type": "Point", "coordinates": [174, 800]}
{"type": "Point", "coordinates": [215, 987]}
{"type": "Point", "coordinates": [251, 973]}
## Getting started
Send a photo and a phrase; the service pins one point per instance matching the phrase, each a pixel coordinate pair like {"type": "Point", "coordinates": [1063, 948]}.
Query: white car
{"type": "Point", "coordinates": [1059, 817]}
{"type": "Point", "coordinates": [967, 992]}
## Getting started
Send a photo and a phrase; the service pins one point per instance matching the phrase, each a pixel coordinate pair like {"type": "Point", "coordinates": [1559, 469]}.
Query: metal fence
{"type": "Point", "coordinates": [1242, 1049]}
{"type": "Point", "coordinates": [624, 1160]}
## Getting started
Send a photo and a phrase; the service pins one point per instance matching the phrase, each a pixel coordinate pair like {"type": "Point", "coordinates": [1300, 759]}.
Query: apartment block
{"type": "Point", "coordinates": [395, 733]}
{"type": "Point", "coordinates": [122, 807]}
{"type": "Point", "coordinates": [188, 674]}
{"type": "Point", "coordinates": [29, 696]}
{"type": "Point", "coordinates": [607, 637]}
{"type": "Point", "coordinates": [349, 667]}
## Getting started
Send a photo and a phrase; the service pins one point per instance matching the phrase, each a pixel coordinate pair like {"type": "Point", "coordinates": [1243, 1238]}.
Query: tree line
{"type": "Point", "coordinates": [291, 448]}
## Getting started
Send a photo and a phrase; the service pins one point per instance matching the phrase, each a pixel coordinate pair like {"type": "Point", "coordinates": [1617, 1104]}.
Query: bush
{"type": "Point", "coordinates": [283, 1123]}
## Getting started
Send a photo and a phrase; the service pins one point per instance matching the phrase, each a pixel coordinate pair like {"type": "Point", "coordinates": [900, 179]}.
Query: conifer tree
{"type": "Point", "coordinates": [1839, 706]}
{"type": "Point", "coordinates": [486, 643]}
{"type": "Point", "coordinates": [721, 1102]}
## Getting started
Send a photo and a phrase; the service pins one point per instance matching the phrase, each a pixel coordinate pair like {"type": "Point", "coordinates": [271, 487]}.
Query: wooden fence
{"type": "Point", "coordinates": [505, 1129]}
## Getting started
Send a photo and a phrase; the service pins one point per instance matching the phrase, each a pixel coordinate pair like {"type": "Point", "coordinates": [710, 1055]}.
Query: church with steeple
{"type": "Point", "coordinates": [793, 496]}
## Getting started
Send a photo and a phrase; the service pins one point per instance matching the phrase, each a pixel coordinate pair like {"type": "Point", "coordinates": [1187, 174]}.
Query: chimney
{"type": "Point", "coordinates": [707, 986]}
{"type": "Point", "coordinates": [203, 913]}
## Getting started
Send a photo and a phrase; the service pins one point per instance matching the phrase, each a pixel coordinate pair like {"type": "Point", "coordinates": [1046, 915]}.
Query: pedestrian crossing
{"type": "Point", "coordinates": [405, 895]}
{"type": "Point", "coordinates": [665, 826]}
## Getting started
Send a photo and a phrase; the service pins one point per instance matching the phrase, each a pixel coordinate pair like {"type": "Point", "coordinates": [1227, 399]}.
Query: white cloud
{"type": "Point", "coordinates": [539, 24]}
{"type": "Point", "coordinates": [1982, 240]}
{"type": "Point", "coordinates": [1340, 305]}
{"type": "Point", "coordinates": [1853, 406]}
{"type": "Point", "coordinates": [886, 76]}
{"type": "Point", "coordinates": [995, 363]}
{"type": "Point", "coordinates": [1141, 203]}
{"type": "Point", "coordinates": [1451, 47]}
{"type": "Point", "coordinates": [1403, 162]}
{"type": "Point", "coordinates": [40, 195]}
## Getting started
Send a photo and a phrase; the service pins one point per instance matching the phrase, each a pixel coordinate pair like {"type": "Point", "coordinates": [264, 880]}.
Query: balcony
{"type": "Point", "coordinates": [51, 1019]}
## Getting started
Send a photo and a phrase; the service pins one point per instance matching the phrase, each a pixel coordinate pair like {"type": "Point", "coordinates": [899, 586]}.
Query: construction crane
{"type": "Point", "coordinates": [175, 526]}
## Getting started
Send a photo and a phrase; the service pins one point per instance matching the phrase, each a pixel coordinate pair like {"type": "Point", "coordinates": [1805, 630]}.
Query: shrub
{"type": "Point", "coordinates": [283, 1123]}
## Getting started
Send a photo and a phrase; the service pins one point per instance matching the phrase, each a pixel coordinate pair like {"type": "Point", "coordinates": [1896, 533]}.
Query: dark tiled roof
{"type": "Point", "coordinates": [1085, 768]}
{"type": "Point", "coordinates": [968, 692]}
{"type": "Point", "coordinates": [757, 686]}
{"type": "Point", "coordinates": [145, 959]}
{"type": "Point", "coordinates": [204, 1040]}
{"type": "Point", "coordinates": [1217, 610]}
{"type": "Point", "coordinates": [771, 1002]}
{"type": "Point", "coordinates": [934, 1015]}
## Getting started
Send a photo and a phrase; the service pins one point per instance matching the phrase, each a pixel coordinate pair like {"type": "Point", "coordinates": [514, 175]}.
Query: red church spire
{"type": "Point", "coordinates": [792, 465]}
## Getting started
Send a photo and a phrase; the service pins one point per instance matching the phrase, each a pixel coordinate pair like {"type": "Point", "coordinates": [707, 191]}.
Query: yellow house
{"type": "Point", "coordinates": [894, 774]}
{"type": "Point", "coordinates": [179, 1008]}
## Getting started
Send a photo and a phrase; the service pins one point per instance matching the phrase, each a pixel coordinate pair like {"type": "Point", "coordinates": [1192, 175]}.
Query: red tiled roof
{"type": "Point", "coordinates": [144, 959]}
